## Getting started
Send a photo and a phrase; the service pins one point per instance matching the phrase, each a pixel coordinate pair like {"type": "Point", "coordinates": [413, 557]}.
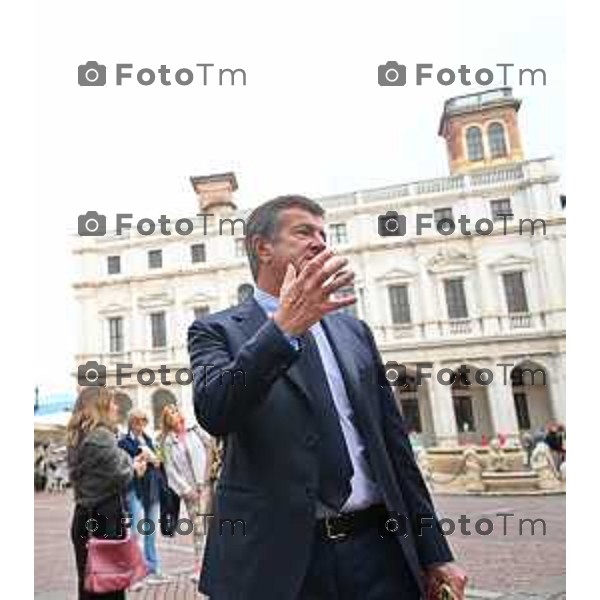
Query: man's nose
{"type": "Point", "coordinates": [317, 243]}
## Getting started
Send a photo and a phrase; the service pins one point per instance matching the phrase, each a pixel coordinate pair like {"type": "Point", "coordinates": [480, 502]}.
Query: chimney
{"type": "Point", "coordinates": [215, 193]}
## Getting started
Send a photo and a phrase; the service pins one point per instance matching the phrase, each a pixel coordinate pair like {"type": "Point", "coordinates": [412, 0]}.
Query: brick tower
{"type": "Point", "coordinates": [481, 130]}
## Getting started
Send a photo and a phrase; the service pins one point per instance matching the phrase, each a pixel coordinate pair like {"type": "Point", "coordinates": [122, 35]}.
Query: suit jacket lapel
{"type": "Point", "coordinates": [251, 317]}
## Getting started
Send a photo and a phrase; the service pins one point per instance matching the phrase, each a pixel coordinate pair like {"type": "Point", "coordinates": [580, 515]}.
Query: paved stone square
{"type": "Point", "coordinates": [527, 566]}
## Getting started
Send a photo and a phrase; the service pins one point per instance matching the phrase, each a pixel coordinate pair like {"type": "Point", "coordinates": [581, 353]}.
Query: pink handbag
{"type": "Point", "coordinates": [113, 565]}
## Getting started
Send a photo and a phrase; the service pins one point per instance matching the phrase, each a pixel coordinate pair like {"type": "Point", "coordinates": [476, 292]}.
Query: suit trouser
{"type": "Point", "coordinates": [364, 566]}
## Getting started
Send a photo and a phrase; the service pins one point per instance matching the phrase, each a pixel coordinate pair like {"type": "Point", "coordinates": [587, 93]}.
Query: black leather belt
{"type": "Point", "coordinates": [344, 525]}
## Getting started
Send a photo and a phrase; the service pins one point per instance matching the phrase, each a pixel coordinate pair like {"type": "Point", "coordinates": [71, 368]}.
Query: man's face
{"type": "Point", "coordinates": [301, 236]}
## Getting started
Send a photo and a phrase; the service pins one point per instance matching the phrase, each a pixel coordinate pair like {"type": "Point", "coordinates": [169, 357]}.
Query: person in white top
{"type": "Point", "coordinates": [188, 454]}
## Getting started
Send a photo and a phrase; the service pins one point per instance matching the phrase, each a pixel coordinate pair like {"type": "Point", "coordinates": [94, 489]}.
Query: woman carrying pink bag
{"type": "Point", "coordinates": [107, 562]}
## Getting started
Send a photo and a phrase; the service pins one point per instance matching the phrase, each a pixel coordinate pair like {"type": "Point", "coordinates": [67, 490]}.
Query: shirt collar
{"type": "Point", "coordinates": [266, 301]}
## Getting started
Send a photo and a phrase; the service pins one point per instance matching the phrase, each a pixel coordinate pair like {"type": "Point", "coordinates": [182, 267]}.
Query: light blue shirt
{"type": "Point", "coordinates": [364, 490]}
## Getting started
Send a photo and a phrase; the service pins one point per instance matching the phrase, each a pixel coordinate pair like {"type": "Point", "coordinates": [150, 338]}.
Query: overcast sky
{"type": "Point", "coordinates": [311, 119]}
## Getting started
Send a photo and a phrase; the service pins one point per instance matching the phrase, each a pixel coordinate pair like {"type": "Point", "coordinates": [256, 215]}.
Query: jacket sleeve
{"type": "Point", "coordinates": [111, 459]}
{"type": "Point", "coordinates": [432, 546]}
{"type": "Point", "coordinates": [228, 388]}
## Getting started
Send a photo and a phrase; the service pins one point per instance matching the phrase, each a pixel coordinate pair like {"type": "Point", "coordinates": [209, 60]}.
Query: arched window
{"type": "Point", "coordinates": [496, 140]}
{"type": "Point", "coordinates": [246, 290]}
{"type": "Point", "coordinates": [474, 144]}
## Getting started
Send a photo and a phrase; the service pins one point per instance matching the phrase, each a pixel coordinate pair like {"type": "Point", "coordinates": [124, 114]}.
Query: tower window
{"type": "Point", "coordinates": [474, 144]}
{"type": "Point", "coordinates": [496, 140]}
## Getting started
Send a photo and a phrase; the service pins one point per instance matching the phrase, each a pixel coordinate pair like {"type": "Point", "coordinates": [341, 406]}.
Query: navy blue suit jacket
{"type": "Point", "coordinates": [262, 406]}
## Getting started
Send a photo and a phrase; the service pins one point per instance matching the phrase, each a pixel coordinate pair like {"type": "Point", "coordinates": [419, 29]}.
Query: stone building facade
{"type": "Point", "coordinates": [486, 296]}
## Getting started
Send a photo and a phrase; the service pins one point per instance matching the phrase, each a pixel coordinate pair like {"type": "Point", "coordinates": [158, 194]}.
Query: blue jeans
{"type": "Point", "coordinates": [149, 539]}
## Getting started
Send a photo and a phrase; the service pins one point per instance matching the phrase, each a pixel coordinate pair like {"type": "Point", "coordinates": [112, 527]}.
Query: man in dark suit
{"type": "Point", "coordinates": [319, 479]}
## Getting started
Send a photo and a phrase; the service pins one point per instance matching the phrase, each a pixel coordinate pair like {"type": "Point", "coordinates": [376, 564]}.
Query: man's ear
{"type": "Point", "coordinates": [263, 248]}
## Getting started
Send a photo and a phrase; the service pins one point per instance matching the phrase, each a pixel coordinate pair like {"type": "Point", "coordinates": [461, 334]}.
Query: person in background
{"type": "Point", "coordinates": [554, 440]}
{"type": "Point", "coordinates": [188, 455]}
{"type": "Point", "coordinates": [562, 431]}
{"type": "Point", "coordinates": [527, 444]}
{"type": "Point", "coordinates": [41, 467]}
{"type": "Point", "coordinates": [99, 472]}
{"type": "Point", "coordinates": [143, 496]}
{"type": "Point", "coordinates": [539, 436]}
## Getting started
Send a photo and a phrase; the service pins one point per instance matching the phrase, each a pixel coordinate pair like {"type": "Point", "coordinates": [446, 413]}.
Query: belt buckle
{"type": "Point", "coordinates": [331, 534]}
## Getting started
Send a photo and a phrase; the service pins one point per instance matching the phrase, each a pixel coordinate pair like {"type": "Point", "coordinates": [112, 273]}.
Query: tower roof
{"type": "Point", "coordinates": [477, 101]}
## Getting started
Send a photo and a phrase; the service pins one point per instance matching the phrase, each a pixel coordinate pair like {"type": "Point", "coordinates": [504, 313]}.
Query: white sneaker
{"type": "Point", "coordinates": [158, 578]}
{"type": "Point", "coordinates": [136, 587]}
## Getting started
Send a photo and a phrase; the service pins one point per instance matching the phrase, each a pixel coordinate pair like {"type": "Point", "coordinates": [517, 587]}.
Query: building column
{"type": "Point", "coordinates": [442, 412]}
{"type": "Point", "coordinates": [427, 297]}
{"type": "Point", "coordinates": [557, 387]}
{"type": "Point", "coordinates": [490, 306]}
{"type": "Point", "coordinates": [552, 284]}
{"type": "Point", "coordinates": [502, 405]}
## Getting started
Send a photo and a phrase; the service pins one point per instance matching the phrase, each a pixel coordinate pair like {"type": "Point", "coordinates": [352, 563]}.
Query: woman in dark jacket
{"type": "Point", "coordinates": [143, 493]}
{"type": "Point", "coordinates": [99, 472]}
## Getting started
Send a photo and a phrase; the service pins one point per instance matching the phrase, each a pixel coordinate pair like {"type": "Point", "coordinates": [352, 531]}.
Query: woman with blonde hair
{"type": "Point", "coordinates": [188, 455]}
{"type": "Point", "coordinates": [99, 472]}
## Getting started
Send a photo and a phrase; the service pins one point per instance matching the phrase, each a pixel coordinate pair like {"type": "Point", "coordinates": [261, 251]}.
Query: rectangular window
{"type": "Point", "coordinates": [456, 301]}
{"type": "Point", "coordinates": [114, 265]}
{"type": "Point", "coordinates": [442, 213]}
{"type": "Point", "coordinates": [240, 247]}
{"type": "Point", "coordinates": [115, 330]}
{"type": "Point", "coordinates": [198, 253]}
{"type": "Point", "coordinates": [522, 411]}
{"type": "Point", "coordinates": [338, 234]}
{"type": "Point", "coordinates": [442, 218]}
{"type": "Point", "coordinates": [201, 311]}
{"type": "Point", "coordinates": [155, 259]}
{"type": "Point", "coordinates": [501, 209]}
{"type": "Point", "coordinates": [159, 329]}
{"type": "Point", "coordinates": [399, 303]}
{"type": "Point", "coordinates": [514, 290]}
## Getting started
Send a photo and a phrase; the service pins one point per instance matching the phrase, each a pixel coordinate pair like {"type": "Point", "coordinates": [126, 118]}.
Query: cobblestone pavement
{"type": "Point", "coordinates": [502, 565]}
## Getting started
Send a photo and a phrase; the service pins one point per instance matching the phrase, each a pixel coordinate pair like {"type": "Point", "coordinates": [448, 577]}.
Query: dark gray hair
{"type": "Point", "coordinates": [264, 222]}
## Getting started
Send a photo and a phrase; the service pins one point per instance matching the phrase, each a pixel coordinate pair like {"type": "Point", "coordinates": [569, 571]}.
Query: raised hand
{"type": "Point", "coordinates": [304, 298]}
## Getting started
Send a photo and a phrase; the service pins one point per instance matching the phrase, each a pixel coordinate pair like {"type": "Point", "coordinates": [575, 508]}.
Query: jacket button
{"type": "Point", "coordinates": [310, 440]}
